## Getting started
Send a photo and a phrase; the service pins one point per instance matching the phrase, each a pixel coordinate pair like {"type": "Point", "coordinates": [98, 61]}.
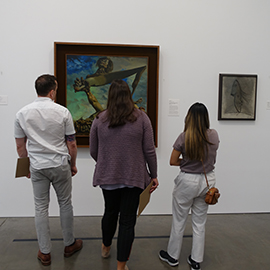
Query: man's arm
{"type": "Point", "coordinates": [21, 147]}
{"type": "Point", "coordinates": [72, 149]}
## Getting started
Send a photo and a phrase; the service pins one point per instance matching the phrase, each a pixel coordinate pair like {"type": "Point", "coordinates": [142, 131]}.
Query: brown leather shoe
{"type": "Point", "coordinates": [70, 250]}
{"type": "Point", "coordinates": [45, 259]}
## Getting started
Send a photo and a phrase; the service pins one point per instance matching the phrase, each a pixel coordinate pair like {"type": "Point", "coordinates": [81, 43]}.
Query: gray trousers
{"type": "Point", "coordinates": [60, 178]}
{"type": "Point", "coordinates": [189, 194]}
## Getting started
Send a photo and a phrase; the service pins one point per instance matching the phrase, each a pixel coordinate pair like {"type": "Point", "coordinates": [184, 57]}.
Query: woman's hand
{"type": "Point", "coordinates": [155, 184]}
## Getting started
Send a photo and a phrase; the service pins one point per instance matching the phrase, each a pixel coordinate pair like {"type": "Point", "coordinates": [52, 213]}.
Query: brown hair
{"type": "Point", "coordinates": [44, 84]}
{"type": "Point", "coordinates": [120, 106]}
{"type": "Point", "coordinates": [196, 125]}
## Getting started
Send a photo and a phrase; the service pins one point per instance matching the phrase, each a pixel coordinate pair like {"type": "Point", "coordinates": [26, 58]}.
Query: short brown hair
{"type": "Point", "coordinates": [44, 84]}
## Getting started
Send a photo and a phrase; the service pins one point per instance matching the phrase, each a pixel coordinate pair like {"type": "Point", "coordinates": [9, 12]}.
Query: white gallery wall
{"type": "Point", "coordinates": [198, 39]}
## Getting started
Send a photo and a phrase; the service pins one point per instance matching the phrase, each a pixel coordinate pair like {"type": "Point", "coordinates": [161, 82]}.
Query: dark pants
{"type": "Point", "coordinates": [123, 201]}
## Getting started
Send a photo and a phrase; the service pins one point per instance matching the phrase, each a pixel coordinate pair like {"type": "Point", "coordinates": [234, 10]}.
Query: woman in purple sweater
{"type": "Point", "coordinates": [122, 144]}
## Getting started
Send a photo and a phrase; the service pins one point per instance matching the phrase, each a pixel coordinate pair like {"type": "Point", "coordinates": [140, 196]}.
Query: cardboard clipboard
{"type": "Point", "coordinates": [144, 198]}
{"type": "Point", "coordinates": [22, 168]}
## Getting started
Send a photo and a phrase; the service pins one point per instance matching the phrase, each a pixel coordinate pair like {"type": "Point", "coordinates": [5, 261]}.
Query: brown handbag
{"type": "Point", "coordinates": [212, 194]}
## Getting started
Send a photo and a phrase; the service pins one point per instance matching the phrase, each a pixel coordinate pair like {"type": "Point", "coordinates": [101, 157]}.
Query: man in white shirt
{"type": "Point", "coordinates": [44, 131]}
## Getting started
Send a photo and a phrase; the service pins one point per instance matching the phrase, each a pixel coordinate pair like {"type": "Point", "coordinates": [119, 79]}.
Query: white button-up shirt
{"type": "Point", "coordinates": [45, 125]}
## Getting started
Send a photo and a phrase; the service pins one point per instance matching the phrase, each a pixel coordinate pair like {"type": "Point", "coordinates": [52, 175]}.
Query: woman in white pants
{"type": "Point", "coordinates": [197, 146]}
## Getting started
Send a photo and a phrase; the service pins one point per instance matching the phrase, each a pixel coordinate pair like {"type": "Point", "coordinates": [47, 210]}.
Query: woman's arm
{"type": "Point", "coordinates": [149, 146]}
{"type": "Point", "coordinates": [175, 159]}
{"type": "Point", "coordinates": [93, 141]}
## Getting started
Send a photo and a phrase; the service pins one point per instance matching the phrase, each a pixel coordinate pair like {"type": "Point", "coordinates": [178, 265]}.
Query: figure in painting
{"type": "Point", "coordinates": [104, 64]}
{"type": "Point", "coordinates": [242, 100]}
{"type": "Point", "coordinates": [103, 76]}
{"type": "Point", "coordinates": [237, 93]}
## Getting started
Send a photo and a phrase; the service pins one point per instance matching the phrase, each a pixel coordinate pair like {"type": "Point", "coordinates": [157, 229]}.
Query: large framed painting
{"type": "Point", "coordinates": [237, 97]}
{"type": "Point", "coordinates": [85, 72]}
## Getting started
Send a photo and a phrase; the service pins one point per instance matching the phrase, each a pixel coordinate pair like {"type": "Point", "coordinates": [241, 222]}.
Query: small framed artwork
{"type": "Point", "coordinates": [237, 97]}
{"type": "Point", "coordinates": [85, 72]}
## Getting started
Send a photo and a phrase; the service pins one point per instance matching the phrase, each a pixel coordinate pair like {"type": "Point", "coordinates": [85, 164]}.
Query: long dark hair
{"type": "Point", "coordinates": [196, 125]}
{"type": "Point", "coordinates": [120, 106]}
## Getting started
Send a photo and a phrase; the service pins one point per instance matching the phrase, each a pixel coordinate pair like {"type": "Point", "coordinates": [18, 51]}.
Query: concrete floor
{"type": "Point", "coordinates": [238, 242]}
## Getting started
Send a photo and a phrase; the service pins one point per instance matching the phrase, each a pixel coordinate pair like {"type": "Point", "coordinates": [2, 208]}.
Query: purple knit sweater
{"type": "Point", "coordinates": [125, 154]}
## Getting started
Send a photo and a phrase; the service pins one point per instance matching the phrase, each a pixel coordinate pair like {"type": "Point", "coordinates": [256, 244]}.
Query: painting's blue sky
{"type": "Point", "coordinates": [82, 65]}
{"type": "Point", "coordinates": [78, 63]}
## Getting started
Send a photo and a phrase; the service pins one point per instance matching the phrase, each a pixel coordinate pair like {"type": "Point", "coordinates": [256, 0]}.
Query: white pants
{"type": "Point", "coordinates": [189, 193]}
